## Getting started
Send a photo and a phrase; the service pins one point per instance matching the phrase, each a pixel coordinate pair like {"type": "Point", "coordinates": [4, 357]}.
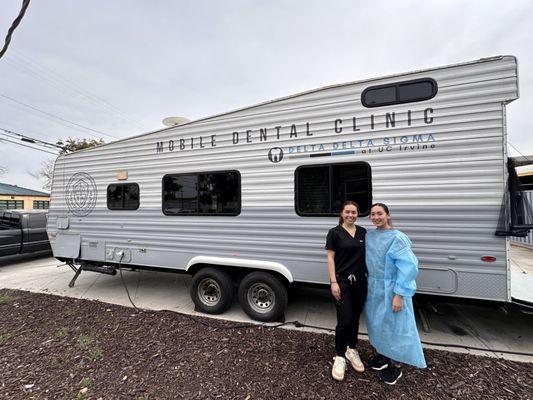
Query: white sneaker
{"type": "Point", "coordinates": [353, 356]}
{"type": "Point", "coordinates": [339, 367]}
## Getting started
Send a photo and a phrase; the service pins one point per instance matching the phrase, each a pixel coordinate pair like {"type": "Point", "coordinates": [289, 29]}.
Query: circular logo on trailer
{"type": "Point", "coordinates": [275, 154]}
{"type": "Point", "coordinates": [81, 194]}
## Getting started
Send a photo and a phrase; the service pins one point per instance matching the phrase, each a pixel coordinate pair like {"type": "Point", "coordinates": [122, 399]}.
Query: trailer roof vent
{"type": "Point", "coordinates": [175, 121]}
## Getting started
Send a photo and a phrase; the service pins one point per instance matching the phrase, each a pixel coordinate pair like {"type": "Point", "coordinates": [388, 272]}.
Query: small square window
{"type": "Point", "coordinates": [123, 196]}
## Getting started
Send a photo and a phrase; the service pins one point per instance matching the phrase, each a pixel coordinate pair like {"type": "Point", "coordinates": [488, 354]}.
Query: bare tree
{"type": "Point", "coordinates": [3, 170]}
{"type": "Point", "coordinates": [46, 173]}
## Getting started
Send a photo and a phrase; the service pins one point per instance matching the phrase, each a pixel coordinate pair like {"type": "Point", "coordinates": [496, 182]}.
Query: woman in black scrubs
{"type": "Point", "coordinates": [347, 273]}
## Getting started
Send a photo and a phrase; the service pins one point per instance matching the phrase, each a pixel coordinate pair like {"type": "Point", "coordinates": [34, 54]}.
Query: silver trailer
{"type": "Point", "coordinates": [245, 198]}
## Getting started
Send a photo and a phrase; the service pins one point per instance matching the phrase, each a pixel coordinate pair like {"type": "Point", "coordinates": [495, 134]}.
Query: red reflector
{"type": "Point", "coordinates": [488, 258]}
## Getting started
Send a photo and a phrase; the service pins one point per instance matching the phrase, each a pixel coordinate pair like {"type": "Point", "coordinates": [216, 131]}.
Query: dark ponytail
{"type": "Point", "coordinates": [347, 203]}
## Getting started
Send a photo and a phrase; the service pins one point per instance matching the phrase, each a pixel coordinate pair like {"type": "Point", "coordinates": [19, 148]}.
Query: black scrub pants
{"type": "Point", "coordinates": [349, 307]}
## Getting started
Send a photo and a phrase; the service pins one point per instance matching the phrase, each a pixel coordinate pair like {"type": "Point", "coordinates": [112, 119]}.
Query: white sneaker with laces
{"type": "Point", "coordinates": [339, 367]}
{"type": "Point", "coordinates": [353, 356]}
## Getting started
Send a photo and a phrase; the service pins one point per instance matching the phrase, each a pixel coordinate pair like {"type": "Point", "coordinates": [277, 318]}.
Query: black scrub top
{"type": "Point", "coordinates": [349, 251]}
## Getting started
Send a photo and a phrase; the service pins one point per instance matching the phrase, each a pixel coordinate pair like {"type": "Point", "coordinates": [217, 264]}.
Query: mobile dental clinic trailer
{"type": "Point", "coordinates": [245, 198]}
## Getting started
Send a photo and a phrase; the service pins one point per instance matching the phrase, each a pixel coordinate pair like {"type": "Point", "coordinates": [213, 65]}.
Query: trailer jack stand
{"type": "Point", "coordinates": [76, 274]}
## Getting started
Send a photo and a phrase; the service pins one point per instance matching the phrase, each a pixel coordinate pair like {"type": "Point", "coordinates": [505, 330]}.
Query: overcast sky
{"type": "Point", "coordinates": [120, 67]}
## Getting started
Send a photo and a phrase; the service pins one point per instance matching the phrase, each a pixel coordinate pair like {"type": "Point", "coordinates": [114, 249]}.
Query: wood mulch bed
{"type": "Point", "coordinates": [63, 348]}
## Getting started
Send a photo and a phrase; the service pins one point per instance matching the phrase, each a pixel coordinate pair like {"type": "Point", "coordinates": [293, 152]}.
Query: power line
{"type": "Point", "coordinates": [16, 22]}
{"type": "Point", "coordinates": [29, 139]}
{"type": "Point", "coordinates": [24, 145]}
{"type": "Point", "coordinates": [55, 80]}
{"type": "Point", "coordinates": [44, 137]}
{"type": "Point", "coordinates": [527, 159]}
{"type": "Point", "coordinates": [77, 130]}
{"type": "Point", "coordinates": [55, 116]}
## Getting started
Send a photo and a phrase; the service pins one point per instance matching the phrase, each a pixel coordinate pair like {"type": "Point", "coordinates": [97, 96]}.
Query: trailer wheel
{"type": "Point", "coordinates": [262, 296]}
{"type": "Point", "coordinates": [212, 290]}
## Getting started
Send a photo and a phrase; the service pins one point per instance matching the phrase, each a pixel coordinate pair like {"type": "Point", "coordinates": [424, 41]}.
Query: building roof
{"type": "Point", "coordinates": [14, 190]}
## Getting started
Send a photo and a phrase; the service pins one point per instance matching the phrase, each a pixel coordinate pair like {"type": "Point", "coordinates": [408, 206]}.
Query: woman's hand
{"type": "Point", "coordinates": [397, 303]}
{"type": "Point", "coordinates": [336, 290]}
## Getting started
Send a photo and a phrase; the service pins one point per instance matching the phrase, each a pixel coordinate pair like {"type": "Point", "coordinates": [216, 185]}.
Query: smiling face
{"type": "Point", "coordinates": [379, 217]}
{"type": "Point", "coordinates": [349, 214]}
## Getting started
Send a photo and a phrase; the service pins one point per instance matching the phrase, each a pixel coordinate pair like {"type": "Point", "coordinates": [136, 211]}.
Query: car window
{"type": "Point", "coordinates": [14, 222]}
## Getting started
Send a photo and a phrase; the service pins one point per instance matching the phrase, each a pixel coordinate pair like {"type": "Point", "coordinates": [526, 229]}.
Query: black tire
{"type": "Point", "coordinates": [212, 290]}
{"type": "Point", "coordinates": [263, 297]}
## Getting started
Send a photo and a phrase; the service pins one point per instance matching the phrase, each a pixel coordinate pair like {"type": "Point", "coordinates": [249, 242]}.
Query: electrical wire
{"type": "Point", "coordinates": [16, 22]}
{"type": "Point", "coordinates": [22, 137]}
{"type": "Point", "coordinates": [55, 116]}
{"type": "Point", "coordinates": [298, 324]}
{"type": "Point", "coordinates": [124, 282]}
{"type": "Point", "coordinates": [26, 65]}
{"type": "Point", "coordinates": [527, 159]}
{"type": "Point", "coordinates": [24, 145]}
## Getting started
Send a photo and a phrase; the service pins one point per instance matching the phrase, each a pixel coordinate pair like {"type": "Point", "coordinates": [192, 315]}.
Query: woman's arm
{"type": "Point", "coordinates": [406, 271]}
{"type": "Point", "coordinates": [335, 288]}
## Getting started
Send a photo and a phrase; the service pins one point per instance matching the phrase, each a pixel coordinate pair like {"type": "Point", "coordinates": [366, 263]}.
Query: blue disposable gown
{"type": "Point", "coordinates": [392, 269]}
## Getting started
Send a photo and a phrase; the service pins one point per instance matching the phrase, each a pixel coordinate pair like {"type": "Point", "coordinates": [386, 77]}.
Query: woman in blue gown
{"type": "Point", "coordinates": [390, 320]}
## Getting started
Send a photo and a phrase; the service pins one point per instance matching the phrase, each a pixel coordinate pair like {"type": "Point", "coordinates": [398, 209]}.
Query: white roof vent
{"type": "Point", "coordinates": [175, 121]}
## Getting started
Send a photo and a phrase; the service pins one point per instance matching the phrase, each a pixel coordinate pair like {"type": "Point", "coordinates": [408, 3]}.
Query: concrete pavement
{"type": "Point", "coordinates": [453, 323]}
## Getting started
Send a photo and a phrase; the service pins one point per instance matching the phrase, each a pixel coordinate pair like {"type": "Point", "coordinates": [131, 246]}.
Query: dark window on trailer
{"type": "Point", "coordinates": [123, 196]}
{"type": "Point", "coordinates": [321, 189]}
{"type": "Point", "coordinates": [11, 204]}
{"type": "Point", "coordinates": [209, 193]}
{"type": "Point", "coordinates": [40, 204]}
{"type": "Point", "coordinates": [399, 92]}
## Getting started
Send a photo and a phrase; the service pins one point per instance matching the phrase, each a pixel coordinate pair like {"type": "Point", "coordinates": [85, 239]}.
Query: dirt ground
{"type": "Point", "coordinates": [62, 348]}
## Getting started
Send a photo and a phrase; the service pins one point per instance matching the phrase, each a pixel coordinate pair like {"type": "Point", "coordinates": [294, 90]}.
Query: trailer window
{"type": "Point", "coordinates": [399, 92]}
{"type": "Point", "coordinates": [210, 193]}
{"type": "Point", "coordinates": [123, 196]}
{"type": "Point", "coordinates": [321, 189]}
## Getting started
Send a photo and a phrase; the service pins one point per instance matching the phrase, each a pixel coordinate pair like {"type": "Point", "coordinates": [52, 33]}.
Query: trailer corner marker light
{"type": "Point", "coordinates": [488, 258]}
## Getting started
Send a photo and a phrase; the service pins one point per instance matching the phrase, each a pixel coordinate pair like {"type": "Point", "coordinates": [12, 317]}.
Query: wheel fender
{"type": "Point", "coordinates": [242, 263]}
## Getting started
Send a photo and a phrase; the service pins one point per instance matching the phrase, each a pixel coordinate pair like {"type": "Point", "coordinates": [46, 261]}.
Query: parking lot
{"type": "Point", "coordinates": [449, 325]}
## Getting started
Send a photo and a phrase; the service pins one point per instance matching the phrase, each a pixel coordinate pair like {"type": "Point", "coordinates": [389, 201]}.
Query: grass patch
{"type": "Point", "coordinates": [4, 337]}
{"type": "Point", "coordinates": [83, 341]}
{"type": "Point", "coordinates": [5, 298]}
{"type": "Point", "coordinates": [62, 333]}
{"type": "Point", "coordinates": [86, 382]}
{"type": "Point", "coordinates": [94, 354]}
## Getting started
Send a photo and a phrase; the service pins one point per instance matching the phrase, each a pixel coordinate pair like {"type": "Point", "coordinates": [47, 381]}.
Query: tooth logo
{"type": "Point", "coordinates": [275, 154]}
